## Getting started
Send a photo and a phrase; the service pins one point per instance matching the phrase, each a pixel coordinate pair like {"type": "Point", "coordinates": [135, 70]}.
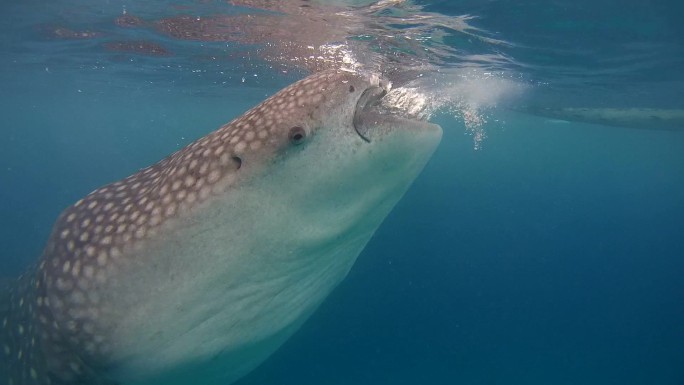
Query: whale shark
{"type": "Point", "coordinates": [639, 118]}
{"type": "Point", "coordinates": [197, 268]}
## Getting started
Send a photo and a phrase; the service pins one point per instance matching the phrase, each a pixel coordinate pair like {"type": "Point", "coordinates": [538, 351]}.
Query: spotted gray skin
{"type": "Point", "coordinates": [200, 266]}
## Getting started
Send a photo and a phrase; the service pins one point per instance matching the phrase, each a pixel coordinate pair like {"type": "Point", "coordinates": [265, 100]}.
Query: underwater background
{"type": "Point", "coordinates": [534, 248]}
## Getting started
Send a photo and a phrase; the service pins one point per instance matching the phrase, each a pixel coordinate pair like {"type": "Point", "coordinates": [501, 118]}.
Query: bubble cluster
{"type": "Point", "coordinates": [468, 95]}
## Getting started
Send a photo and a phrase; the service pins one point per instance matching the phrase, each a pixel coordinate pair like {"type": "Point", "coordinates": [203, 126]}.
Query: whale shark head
{"type": "Point", "coordinates": [329, 131]}
{"type": "Point", "coordinates": [201, 265]}
{"type": "Point", "coordinates": [337, 157]}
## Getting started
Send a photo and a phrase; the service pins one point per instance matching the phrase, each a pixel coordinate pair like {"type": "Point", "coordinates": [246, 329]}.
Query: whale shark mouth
{"type": "Point", "coordinates": [376, 114]}
{"type": "Point", "coordinates": [369, 99]}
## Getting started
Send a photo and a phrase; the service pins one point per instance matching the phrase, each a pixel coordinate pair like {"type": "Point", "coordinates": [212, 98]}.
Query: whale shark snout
{"type": "Point", "coordinates": [201, 265]}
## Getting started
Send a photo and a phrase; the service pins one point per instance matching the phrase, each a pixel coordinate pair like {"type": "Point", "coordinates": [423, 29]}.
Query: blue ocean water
{"type": "Point", "coordinates": [550, 253]}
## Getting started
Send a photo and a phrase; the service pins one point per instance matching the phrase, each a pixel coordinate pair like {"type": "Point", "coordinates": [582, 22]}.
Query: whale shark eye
{"type": "Point", "coordinates": [351, 88]}
{"type": "Point", "coordinates": [297, 135]}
